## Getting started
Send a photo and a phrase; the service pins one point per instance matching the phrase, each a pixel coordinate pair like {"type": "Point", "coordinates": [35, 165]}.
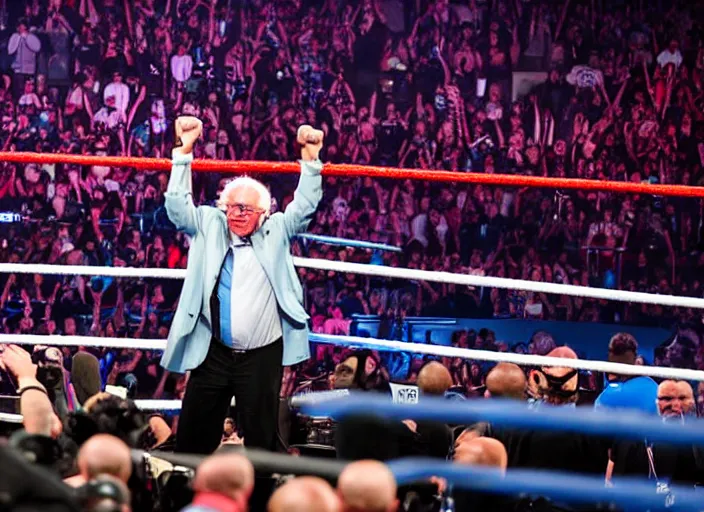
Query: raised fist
{"type": "Point", "coordinates": [188, 131]}
{"type": "Point", "coordinates": [311, 141]}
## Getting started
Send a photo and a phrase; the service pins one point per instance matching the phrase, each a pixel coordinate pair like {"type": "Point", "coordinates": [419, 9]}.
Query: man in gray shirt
{"type": "Point", "coordinates": [24, 46]}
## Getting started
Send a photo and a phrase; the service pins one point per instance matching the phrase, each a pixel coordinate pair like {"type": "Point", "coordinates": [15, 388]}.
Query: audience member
{"type": "Point", "coordinates": [610, 91]}
{"type": "Point", "coordinates": [105, 493]}
{"type": "Point", "coordinates": [482, 453]}
{"type": "Point", "coordinates": [367, 486]}
{"type": "Point", "coordinates": [434, 379]}
{"type": "Point", "coordinates": [506, 380]}
{"type": "Point", "coordinates": [102, 455]}
{"type": "Point", "coordinates": [223, 483]}
{"type": "Point", "coordinates": [305, 494]}
{"type": "Point", "coordinates": [623, 391]}
{"type": "Point", "coordinates": [662, 461]}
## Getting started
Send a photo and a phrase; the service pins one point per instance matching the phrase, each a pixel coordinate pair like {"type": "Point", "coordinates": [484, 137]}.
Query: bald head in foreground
{"type": "Point", "coordinates": [304, 494]}
{"type": "Point", "coordinates": [488, 455]}
{"type": "Point", "coordinates": [482, 451]}
{"type": "Point", "coordinates": [102, 454]}
{"type": "Point", "coordinates": [367, 486]}
{"type": "Point", "coordinates": [434, 379]}
{"type": "Point", "coordinates": [227, 474]}
{"type": "Point", "coordinates": [506, 380]}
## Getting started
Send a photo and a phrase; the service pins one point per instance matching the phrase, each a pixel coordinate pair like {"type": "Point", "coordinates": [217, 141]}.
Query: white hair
{"type": "Point", "coordinates": [264, 201]}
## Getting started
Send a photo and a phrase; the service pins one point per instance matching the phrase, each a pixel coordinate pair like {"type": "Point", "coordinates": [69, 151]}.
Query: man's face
{"type": "Point", "coordinates": [675, 399]}
{"type": "Point", "coordinates": [434, 217]}
{"type": "Point", "coordinates": [243, 212]}
{"type": "Point", "coordinates": [69, 327]}
{"type": "Point", "coordinates": [391, 111]}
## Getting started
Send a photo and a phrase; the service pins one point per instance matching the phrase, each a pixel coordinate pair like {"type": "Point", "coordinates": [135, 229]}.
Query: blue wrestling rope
{"type": "Point", "coordinates": [513, 414]}
{"type": "Point", "coordinates": [631, 493]}
{"type": "Point", "coordinates": [347, 242]}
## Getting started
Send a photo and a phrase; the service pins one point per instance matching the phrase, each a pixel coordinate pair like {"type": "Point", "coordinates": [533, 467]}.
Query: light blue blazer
{"type": "Point", "coordinates": [191, 332]}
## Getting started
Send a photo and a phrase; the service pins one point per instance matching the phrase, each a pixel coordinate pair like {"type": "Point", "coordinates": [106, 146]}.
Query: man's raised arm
{"type": "Point", "coordinates": [179, 193]}
{"type": "Point", "coordinates": [309, 192]}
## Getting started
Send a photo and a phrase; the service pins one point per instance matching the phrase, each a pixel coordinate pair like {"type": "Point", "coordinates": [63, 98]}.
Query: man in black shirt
{"type": "Point", "coordinates": [432, 439]}
{"type": "Point", "coordinates": [486, 452]}
{"type": "Point", "coordinates": [556, 451]}
{"type": "Point", "coordinates": [661, 462]}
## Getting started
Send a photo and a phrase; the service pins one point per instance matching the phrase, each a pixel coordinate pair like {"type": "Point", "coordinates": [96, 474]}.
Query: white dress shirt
{"type": "Point", "coordinates": [254, 312]}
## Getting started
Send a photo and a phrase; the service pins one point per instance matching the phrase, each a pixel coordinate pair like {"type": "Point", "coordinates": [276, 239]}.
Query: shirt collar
{"type": "Point", "coordinates": [236, 241]}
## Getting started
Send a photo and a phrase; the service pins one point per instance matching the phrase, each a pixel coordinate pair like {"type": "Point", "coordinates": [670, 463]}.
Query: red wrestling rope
{"type": "Point", "coordinates": [348, 170]}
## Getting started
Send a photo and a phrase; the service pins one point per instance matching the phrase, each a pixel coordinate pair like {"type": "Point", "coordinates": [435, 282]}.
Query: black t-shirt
{"type": "Point", "coordinates": [363, 437]}
{"type": "Point", "coordinates": [432, 439]}
{"type": "Point", "coordinates": [391, 136]}
{"type": "Point", "coordinates": [575, 453]}
{"type": "Point", "coordinates": [677, 464]}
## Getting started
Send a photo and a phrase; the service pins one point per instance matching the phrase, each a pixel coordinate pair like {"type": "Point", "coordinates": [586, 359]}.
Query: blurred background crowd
{"type": "Point", "coordinates": [597, 90]}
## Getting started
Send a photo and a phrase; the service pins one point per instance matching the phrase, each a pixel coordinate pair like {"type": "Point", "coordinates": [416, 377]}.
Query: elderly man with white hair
{"type": "Point", "coordinates": [240, 317]}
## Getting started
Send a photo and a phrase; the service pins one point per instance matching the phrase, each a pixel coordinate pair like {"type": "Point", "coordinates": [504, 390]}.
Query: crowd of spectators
{"type": "Point", "coordinates": [614, 92]}
{"type": "Point", "coordinates": [107, 455]}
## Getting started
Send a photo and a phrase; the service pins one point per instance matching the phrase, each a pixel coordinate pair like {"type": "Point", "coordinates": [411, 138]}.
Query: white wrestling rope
{"type": "Point", "coordinates": [81, 341]}
{"type": "Point", "coordinates": [368, 343]}
{"type": "Point", "coordinates": [144, 405]}
{"type": "Point", "coordinates": [396, 346]}
{"type": "Point", "coordinates": [382, 272]}
{"type": "Point", "coordinates": [371, 343]}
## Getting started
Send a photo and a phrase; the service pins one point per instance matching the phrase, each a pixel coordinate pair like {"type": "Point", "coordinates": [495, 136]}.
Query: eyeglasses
{"type": "Point", "coordinates": [243, 209]}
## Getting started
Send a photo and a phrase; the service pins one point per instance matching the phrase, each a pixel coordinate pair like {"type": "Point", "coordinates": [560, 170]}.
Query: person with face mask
{"type": "Point", "coordinates": [548, 386]}
{"type": "Point", "coordinates": [240, 317]}
{"type": "Point", "coordinates": [662, 463]}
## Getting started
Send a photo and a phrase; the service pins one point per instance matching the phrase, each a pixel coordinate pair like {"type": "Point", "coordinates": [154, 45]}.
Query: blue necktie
{"type": "Point", "coordinates": [224, 288]}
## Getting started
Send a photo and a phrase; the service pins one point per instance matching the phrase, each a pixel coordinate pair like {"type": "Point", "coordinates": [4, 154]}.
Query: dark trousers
{"type": "Point", "coordinates": [253, 377]}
